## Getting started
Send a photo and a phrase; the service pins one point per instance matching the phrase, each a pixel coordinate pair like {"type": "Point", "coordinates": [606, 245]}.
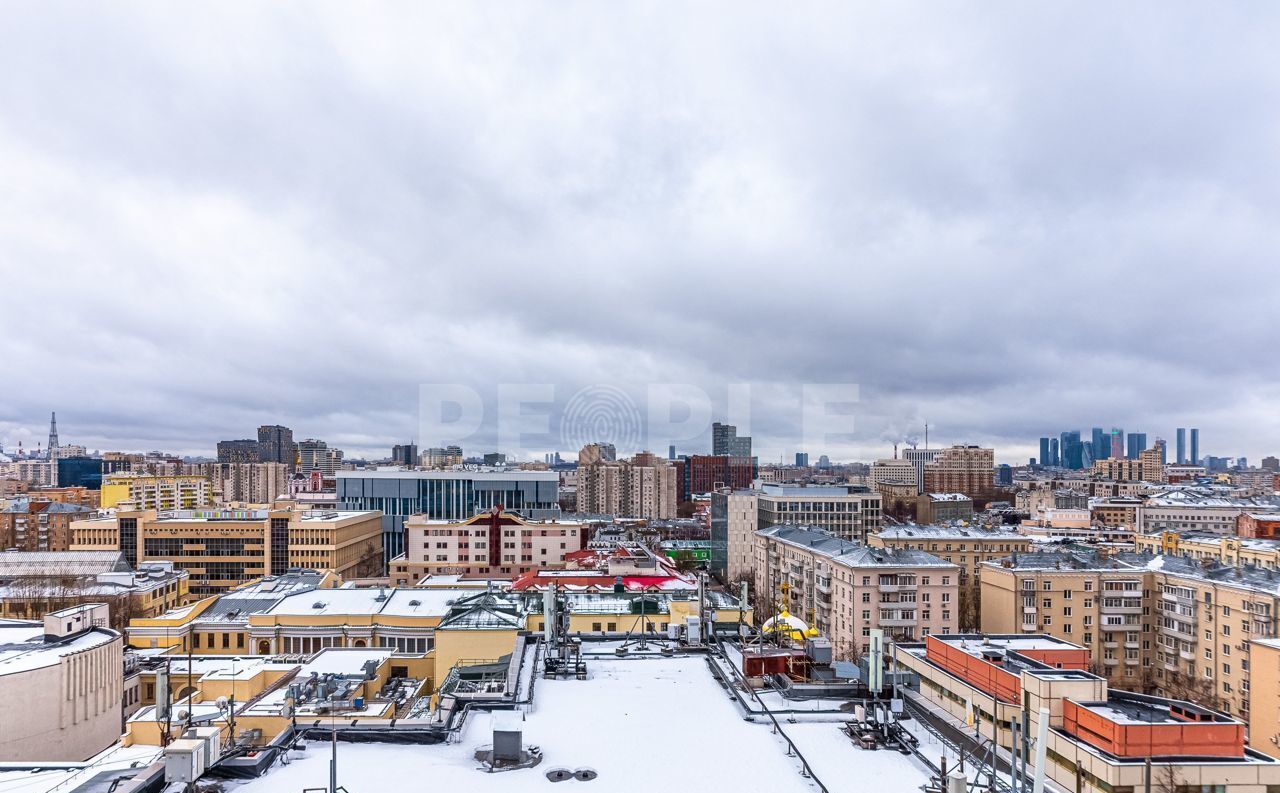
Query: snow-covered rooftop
{"type": "Point", "coordinates": [639, 722]}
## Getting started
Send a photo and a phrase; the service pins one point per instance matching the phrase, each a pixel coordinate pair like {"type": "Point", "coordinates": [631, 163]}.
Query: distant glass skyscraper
{"type": "Point", "coordinates": [1072, 450]}
{"type": "Point", "coordinates": [1137, 443]}
{"type": "Point", "coordinates": [1182, 445]}
{"type": "Point", "coordinates": [1101, 445]}
{"type": "Point", "coordinates": [1117, 443]}
{"type": "Point", "coordinates": [1195, 446]}
{"type": "Point", "coordinates": [802, 459]}
{"type": "Point", "coordinates": [1044, 452]}
{"type": "Point", "coordinates": [1053, 451]}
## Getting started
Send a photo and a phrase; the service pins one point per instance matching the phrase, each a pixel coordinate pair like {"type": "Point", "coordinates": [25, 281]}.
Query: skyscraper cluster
{"type": "Point", "coordinates": [1070, 451]}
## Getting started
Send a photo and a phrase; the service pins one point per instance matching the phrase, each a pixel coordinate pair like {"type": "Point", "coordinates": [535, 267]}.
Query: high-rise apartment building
{"type": "Point", "coordinates": [643, 487]}
{"type": "Point", "coordinates": [726, 441]}
{"type": "Point", "coordinates": [315, 455]}
{"type": "Point", "coordinates": [156, 492]}
{"type": "Point", "coordinates": [405, 454]}
{"type": "Point", "coordinates": [241, 451]}
{"type": "Point", "coordinates": [224, 548]}
{"type": "Point", "coordinates": [704, 473]}
{"type": "Point", "coordinates": [254, 483]}
{"type": "Point", "coordinates": [735, 516]}
{"type": "Point", "coordinates": [961, 469]}
{"type": "Point", "coordinates": [441, 457]}
{"type": "Point", "coordinates": [275, 445]}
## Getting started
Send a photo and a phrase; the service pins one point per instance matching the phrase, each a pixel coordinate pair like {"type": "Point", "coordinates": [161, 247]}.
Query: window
{"type": "Point", "coordinates": [1088, 586]}
{"type": "Point", "coordinates": [1048, 620]}
{"type": "Point", "coordinates": [1048, 586]}
{"type": "Point", "coordinates": [1066, 611]}
{"type": "Point", "coordinates": [1047, 603]}
{"type": "Point", "coordinates": [1066, 594]}
{"type": "Point", "coordinates": [924, 580]}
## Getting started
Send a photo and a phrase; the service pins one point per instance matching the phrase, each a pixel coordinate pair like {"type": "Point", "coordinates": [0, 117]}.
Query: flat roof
{"type": "Point", "coordinates": [536, 476]}
{"type": "Point", "coordinates": [598, 723]}
{"type": "Point", "coordinates": [23, 646]}
{"type": "Point", "coordinates": [399, 602]}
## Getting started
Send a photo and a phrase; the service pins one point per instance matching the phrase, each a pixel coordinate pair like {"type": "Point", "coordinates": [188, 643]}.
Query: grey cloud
{"type": "Point", "coordinates": [1009, 220]}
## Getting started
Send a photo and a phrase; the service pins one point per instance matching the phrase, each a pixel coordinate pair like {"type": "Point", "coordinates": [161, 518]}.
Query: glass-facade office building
{"type": "Point", "coordinates": [446, 495]}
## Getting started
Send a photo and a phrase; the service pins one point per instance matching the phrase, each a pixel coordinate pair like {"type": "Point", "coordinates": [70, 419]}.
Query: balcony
{"type": "Point", "coordinates": [1132, 645]}
{"type": "Point", "coordinates": [1136, 608]}
{"type": "Point", "coordinates": [1131, 661]}
{"type": "Point", "coordinates": [898, 622]}
{"type": "Point", "coordinates": [1186, 655]}
{"type": "Point", "coordinates": [822, 584]}
{"type": "Point", "coordinates": [1111, 644]}
{"type": "Point", "coordinates": [898, 587]}
{"type": "Point", "coordinates": [1111, 661]}
{"type": "Point", "coordinates": [1028, 609]}
{"type": "Point", "coordinates": [1184, 633]}
{"type": "Point", "coordinates": [1030, 627]}
{"type": "Point", "coordinates": [1107, 627]}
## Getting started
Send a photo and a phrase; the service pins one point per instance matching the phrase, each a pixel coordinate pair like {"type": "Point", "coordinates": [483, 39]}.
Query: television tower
{"type": "Point", "coordinates": [53, 436]}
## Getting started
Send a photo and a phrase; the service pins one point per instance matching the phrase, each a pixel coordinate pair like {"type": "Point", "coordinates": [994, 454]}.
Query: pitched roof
{"type": "Point", "coordinates": [50, 564]}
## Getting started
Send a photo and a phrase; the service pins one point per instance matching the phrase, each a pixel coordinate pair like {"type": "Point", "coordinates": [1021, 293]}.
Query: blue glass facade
{"type": "Point", "coordinates": [445, 496]}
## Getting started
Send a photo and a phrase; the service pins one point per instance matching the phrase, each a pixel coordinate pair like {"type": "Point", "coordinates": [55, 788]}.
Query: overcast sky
{"type": "Point", "coordinates": [1005, 219]}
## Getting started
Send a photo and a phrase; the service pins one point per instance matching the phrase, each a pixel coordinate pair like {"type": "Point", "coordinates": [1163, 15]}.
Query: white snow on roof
{"type": "Point", "coordinates": [23, 648]}
{"type": "Point", "coordinates": [600, 723]}
{"type": "Point", "coordinates": [399, 602]}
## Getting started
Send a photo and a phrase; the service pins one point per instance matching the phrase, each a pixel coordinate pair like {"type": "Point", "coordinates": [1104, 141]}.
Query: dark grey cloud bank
{"type": "Point", "coordinates": [1008, 219]}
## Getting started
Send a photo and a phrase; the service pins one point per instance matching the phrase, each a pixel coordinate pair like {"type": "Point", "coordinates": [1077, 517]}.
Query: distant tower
{"type": "Point", "coordinates": [52, 451]}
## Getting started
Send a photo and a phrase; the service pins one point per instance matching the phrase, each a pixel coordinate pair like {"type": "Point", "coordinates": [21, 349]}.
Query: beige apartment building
{"type": "Point", "coordinates": [962, 469]}
{"type": "Point", "coordinates": [161, 493]}
{"type": "Point", "coordinates": [967, 547]}
{"type": "Point", "coordinates": [223, 548]}
{"type": "Point", "coordinates": [846, 589]}
{"type": "Point", "coordinates": [1198, 509]}
{"type": "Point", "coordinates": [1264, 687]}
{"type": "Point", "coordinates": [1214, 547]}
{"type": "Point", "coordinates": [62, 682]}
{"type": "Point", "coordinates": [502, 544]}
{"type": "Point", "coordinates": [735, 516]}
{"type": "Point", "coordinates": [1168, 625]}
{"type": "Point", "coordinates": [850, 512]}
{"type": "Point", "coordinates": [643, 487]}
{"type": "Point", "coordinates": [1117, 511]}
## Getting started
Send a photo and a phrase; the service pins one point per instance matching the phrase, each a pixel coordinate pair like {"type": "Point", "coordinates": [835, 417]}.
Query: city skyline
{"type": "Point", "coordinates": [217, 219]}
